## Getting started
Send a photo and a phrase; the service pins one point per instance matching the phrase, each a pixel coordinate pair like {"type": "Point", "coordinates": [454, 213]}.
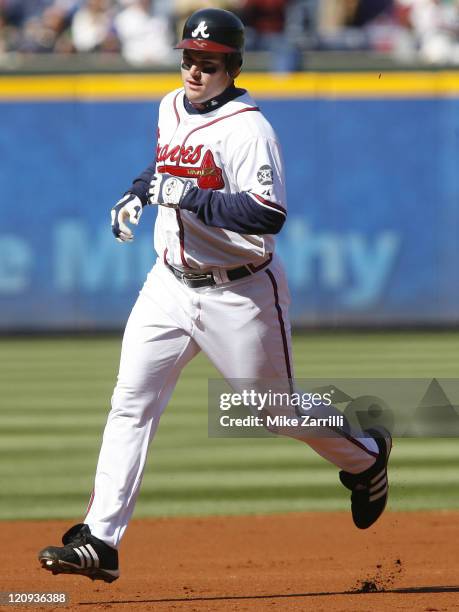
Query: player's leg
{"type": "Point", "coordinates": [246, 334]}
{"type": "Point", "coordinates": [156, 346]}
{"type": "Point", "coordinates": [250, 339]}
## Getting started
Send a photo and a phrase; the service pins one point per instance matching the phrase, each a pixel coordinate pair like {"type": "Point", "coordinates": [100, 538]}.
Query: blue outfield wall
{"type": "Point", "coordinates": [371, 238]}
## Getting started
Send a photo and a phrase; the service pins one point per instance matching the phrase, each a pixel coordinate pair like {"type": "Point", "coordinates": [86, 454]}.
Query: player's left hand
{"type": "Point", "coordinates": [128, 209]}
{"type": "Point", "coordinates": [168, 190]}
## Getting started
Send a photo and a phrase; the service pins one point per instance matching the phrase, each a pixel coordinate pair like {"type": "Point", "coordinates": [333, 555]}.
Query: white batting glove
{"type": "Point", "coordinates": [168, 190]}
{"type": "Point", "coordinates": [129, 208]}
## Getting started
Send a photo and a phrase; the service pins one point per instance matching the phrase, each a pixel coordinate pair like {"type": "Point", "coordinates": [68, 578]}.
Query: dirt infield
{"type": "Point", "coordinates": [310, 561]}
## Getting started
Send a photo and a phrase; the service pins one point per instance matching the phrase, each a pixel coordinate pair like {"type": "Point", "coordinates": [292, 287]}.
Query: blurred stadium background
{"type": "Point", "coordinates": [365, 98]}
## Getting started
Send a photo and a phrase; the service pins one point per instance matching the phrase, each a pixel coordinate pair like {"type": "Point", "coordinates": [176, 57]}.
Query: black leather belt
{"type": "Point", "coordinates": [194, 281]}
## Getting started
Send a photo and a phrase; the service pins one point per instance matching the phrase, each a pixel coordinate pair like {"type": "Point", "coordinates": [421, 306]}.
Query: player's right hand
{"type": "Point", "coordinates": [129, 208]}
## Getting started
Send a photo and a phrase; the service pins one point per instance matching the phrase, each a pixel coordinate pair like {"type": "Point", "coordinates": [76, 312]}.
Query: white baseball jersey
{"type": "Point", "coordinates": [232, 149]}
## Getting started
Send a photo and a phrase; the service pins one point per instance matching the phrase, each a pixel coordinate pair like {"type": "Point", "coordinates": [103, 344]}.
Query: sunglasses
{"type": "Point", "coordinates": [186, 65]}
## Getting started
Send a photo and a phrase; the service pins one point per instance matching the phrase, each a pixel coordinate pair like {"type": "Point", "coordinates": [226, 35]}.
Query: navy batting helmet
{"type": "Point", "coordinates": [213, 30]}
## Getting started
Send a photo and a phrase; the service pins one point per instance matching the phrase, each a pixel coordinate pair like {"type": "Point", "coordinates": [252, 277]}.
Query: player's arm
{"type": "Point", "coordinates": [238, 212]}
{"type": "Point", "coordinates": [256, 209]}
{"type": "Point", "coordinates": [141, 184]}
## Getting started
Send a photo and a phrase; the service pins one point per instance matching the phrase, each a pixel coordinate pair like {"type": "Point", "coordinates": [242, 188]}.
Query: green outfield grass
{"type": "Point", "coordinates": [54, 396]}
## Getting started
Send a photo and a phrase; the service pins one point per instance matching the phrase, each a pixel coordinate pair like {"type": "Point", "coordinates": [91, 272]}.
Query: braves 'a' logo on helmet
{"type": "Point", "coordinates": [200, 30]}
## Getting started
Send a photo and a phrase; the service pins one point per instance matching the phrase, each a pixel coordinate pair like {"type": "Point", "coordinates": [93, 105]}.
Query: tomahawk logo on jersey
{"type": "Point", "coordinates": [177, 161]}
{"type": "Point", "coordinates": [232, 150]}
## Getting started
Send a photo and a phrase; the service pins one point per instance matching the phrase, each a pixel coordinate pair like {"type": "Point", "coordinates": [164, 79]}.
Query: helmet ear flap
{"type": "Point", "coordinates": [233, 64]}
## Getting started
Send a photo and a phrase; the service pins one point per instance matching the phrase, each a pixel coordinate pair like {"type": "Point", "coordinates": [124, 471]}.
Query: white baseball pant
{"type": "Point", "coordinates": [243, 328]}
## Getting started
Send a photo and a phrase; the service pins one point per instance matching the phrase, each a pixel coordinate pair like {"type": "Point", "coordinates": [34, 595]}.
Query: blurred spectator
{"type": "Point", "coordinates": [434, 25]}
{"type": "Point", "coordinates": [92, 27]}
{"type": "Point", "coordinates": [265, 22]}
{"type": "Point", "coordinates": [144, 38]}
{"type": "Point", "coordinates": [47, 33]}
{"type": "Point", "coordinates": [56, 25]}
{"type": "Point", "coordinates": [348, 24]}
{"type": "Point", "coordinates": [366, 11]}
{"type": "Point", "coordinates": [9, 35]}
{"type": "Point", "coordinates": [301, 25]}
{"type": "Point", "coordinates": [263, 19]}
{"type": "Point", "coordinates": [18, 12]}
{"type": "Point", "coordinates": [337, 14]}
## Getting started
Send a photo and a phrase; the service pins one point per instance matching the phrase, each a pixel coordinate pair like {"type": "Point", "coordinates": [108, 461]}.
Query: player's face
{"type": "Point", "coordinates": [204, 75]}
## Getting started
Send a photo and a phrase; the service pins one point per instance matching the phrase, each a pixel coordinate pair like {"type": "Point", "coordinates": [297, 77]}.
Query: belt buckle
{"type": "Point", "coordinates": [188, 277]}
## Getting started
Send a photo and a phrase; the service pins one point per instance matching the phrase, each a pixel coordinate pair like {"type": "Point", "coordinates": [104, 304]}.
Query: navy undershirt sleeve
{"type": "Point", "coordinates": [141, 184]}
{"type": "Point", "coordinates": [237, 212]}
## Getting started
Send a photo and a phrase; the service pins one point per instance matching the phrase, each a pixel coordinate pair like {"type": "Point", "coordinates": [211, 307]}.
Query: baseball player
{"type": "Point", "coordinates": [217, 286]}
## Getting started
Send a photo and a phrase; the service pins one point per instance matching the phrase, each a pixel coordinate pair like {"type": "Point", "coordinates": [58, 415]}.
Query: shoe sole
{"type": "Point", "coordinates": [56, 566]}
